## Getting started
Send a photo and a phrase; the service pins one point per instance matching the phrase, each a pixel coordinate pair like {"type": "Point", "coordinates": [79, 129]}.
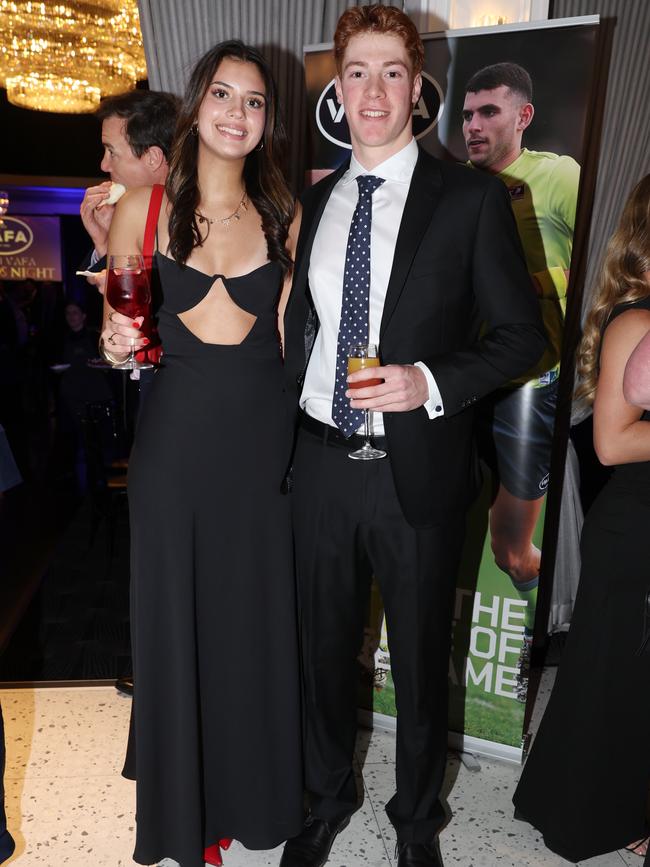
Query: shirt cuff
{"type": "Point", "coordinates": [94, 258]}
{"type": "Point", "coordinates": [433, 406]}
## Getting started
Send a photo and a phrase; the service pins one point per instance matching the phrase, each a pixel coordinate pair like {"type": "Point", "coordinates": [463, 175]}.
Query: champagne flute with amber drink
{"type": "Point", "coordinates": [360, 357]}
{"type": "Point", "coordinates": [128, 292]}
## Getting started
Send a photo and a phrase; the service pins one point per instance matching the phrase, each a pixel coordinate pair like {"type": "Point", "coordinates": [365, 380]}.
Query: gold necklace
{"type": "Point", "coordinates": [225, 221]}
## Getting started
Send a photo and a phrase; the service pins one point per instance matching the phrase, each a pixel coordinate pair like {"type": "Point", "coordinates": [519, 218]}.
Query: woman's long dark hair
{"type": "Point", "coordinates": [263, 178]}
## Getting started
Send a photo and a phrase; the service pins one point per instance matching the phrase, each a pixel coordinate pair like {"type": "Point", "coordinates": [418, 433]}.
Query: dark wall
{"type": "Point", "coordinates": [50, 145]}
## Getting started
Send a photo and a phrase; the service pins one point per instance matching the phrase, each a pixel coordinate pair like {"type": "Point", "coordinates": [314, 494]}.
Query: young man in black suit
{"type": "Point", "coordinates": [421, 257]}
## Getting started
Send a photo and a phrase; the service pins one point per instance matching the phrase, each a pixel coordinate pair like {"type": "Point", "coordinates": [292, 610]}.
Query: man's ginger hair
{"type": "Point", "coordinates": [378, 19]}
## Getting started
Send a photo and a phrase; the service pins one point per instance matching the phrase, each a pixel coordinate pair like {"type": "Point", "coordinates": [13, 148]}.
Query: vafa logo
{"type": "Point", "coordinates": [331, 121]}
{"type": "Point", "coordinates": [15, 236]}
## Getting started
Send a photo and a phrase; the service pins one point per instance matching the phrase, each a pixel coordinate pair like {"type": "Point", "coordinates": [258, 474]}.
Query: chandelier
{"type": "Point", "coordinates": [65, 57]}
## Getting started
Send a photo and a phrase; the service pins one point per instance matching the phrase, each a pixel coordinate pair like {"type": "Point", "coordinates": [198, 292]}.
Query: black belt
{"type": "Point", "coordinates": [333, 435]}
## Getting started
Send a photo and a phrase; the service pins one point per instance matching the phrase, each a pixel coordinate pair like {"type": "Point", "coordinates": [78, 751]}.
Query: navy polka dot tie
{"type": "Point", "coordinates": [355, 306]}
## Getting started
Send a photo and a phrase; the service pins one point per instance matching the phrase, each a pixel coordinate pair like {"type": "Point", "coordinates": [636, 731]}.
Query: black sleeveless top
{"type": "Point", "coordinates": [183, 287]}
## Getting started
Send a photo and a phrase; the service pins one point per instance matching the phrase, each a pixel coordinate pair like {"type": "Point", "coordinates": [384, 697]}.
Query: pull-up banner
{"type": "Point", "coordinates": [30, 248]}
{"type": "Point", "coordinates": [497, 585]}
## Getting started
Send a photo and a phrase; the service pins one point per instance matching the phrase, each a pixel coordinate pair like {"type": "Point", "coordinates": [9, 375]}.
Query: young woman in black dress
{"type": "Point", "coordinates": [215, 736]}
{"type": "Point", "coordinates": [585, 785]}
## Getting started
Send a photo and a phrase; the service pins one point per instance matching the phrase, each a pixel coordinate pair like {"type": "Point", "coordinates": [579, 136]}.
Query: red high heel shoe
{"type": "Point", "coordinates": [212, 855]}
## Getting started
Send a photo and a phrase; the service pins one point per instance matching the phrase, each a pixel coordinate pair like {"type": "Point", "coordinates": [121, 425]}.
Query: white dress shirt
{"type": "Point", "coordinates": [327, 265]}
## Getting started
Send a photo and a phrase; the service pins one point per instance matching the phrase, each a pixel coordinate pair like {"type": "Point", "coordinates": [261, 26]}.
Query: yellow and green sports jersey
{"type": "Point", "coordinates": [543, 190]}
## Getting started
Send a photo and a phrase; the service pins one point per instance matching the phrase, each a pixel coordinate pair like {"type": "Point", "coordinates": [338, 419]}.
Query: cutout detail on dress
{"type": "Point", "coordinates": [217, 319]}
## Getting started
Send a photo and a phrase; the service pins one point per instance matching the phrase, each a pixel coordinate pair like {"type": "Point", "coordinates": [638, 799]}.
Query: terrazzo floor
{"type": "Point", "coordinates": [68, 805]}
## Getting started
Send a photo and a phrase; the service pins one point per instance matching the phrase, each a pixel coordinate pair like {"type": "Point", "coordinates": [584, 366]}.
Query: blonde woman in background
{"type": "Point", "coordinates": [585, 785]}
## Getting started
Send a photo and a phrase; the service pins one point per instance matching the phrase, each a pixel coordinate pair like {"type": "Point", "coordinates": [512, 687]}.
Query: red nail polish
{"type": "Point", "coordinates": [146, 340]}
{"type": "Point", "coordinates": [212, 855]}
{"type": "Point", "coordinates": [135, 324]}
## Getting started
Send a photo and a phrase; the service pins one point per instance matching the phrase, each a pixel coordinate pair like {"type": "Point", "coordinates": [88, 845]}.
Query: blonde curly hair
{"type": "Point", "coordinates": [627, 259]}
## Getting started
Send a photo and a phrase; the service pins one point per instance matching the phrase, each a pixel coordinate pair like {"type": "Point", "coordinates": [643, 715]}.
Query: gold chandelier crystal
{"type": "Point", "coordinates": [65, 57]}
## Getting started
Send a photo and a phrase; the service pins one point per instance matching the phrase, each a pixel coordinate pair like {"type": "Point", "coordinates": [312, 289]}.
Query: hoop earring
{"type": "Point", "coordinates": [194, 129]}
{"type": "Point", "coordinates": [260, 145]}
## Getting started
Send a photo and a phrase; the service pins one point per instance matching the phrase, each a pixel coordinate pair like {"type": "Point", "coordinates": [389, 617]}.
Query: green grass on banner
{"type": "Point", "coordinates": [473, 710]}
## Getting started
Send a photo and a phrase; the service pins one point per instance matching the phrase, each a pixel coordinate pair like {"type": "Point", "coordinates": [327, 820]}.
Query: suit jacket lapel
{"type": "Point", "coordinates": [421, 202]}
{"type": "Point", "coordinates": [312, 212]}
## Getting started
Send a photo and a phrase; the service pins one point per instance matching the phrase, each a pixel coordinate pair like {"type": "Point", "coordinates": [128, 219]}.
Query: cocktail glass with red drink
{"type": "Point", "coordinates": [128, 292]}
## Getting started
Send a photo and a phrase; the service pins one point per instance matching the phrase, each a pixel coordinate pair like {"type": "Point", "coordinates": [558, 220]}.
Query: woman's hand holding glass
{"type": "Point", "coordinates": [128, 298]}
{"type": "Point", "coordinates": [121, 334]}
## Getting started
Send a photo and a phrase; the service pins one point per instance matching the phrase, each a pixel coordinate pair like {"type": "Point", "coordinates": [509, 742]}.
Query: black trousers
{"type": "Point", "coordinates": [6, 842]}
{"type": "Point", "coordinates": [348, 526]}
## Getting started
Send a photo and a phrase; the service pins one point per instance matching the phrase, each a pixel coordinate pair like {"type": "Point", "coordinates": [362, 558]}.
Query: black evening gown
{"type": "Point", "coordinates": [585, 784]}
{"type": "Point", "coordinates": [215, 745]}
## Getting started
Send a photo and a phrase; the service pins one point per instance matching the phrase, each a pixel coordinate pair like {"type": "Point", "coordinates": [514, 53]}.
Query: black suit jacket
{"type": "Point", "coordinates": [459, 299]}
{"type": "Point", "coordinates": [85, 264]}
